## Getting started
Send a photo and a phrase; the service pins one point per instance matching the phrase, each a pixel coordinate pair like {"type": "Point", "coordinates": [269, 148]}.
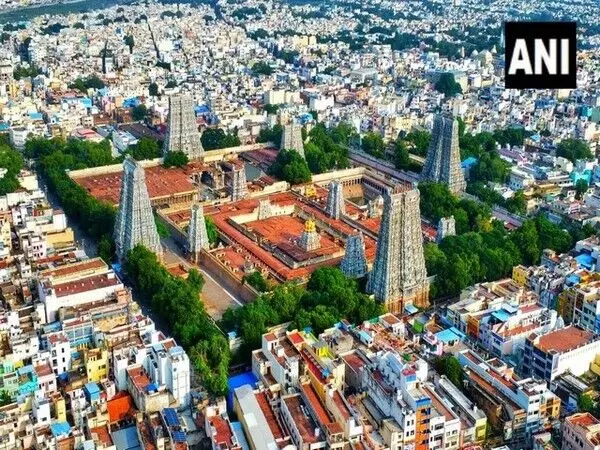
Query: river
{"type": "Point", "coordinates": [25, 14]}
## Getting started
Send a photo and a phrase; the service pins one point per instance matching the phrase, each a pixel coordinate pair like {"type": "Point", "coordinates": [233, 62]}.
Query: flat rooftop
{"type": "Point", "coordinates": [161, 183]}
{"type": "Point", "coordinates": [564, 339]}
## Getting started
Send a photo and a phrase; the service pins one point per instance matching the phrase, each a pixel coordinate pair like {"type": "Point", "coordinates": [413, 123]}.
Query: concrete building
{"type": "Point", "coordinates": [551, 354]}
{"type": "Point", "coordinates": [581, 431]}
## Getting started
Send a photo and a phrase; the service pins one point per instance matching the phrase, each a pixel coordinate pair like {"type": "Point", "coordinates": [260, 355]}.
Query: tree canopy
{"type": "Point", "coordinates": [291, 167]}
{"type": "Point", "coordinates": [215, 138]}
{"type": "Point", "coordinates": [175, 159]}
{"type": "Point", "coordinates": [372, 143]}
{"type": "Point", "coordinates": [12, 161]}
{"type": "Point", "coordinates": [573, 149]}
{"type": "Point", "coordinates": [178, 302]}
{"type": "Point", "coordinates": [447, 85]}
{"type": "Point", "coordinates": [329, 296]}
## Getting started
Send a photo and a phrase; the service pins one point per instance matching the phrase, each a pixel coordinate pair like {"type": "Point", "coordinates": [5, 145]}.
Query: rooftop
{"type": "Point", "coordinates": [564, 339]}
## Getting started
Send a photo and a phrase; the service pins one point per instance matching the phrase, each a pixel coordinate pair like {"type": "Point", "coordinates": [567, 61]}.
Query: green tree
{"type": "Point", "coordinates": [585, 403]}
{"type": "Point", "coordinates": [175, 159]}
{"type": "Point", "coordinates": [420, 140]}
{"type": "Point", "coordinates": [581, 187]}
{"type": "Point", "coordinates": [401, 156]}
{"type": "Point", "coordinates": [146, 148]}
{"type": "Point", "coordinates": [211, 230]}
{"type": "Point", "coordinates": [573, 149]}
{"type": "Point", "coordinates": [129, 42]}
{"type": "Point", "coordinates": [262, 68]}
{"type": "Point", "coordinates": [272, 134]}
{"type": "Point", "coordinates": [447, 85]}
{"type": "Point", "coordinates": [372, 143]}
{"type": "Point", "coordinates": [106, 248]}
{"type": "Point", "coordinates": [449, 366]}
{"type": "Point", "coordinates": [153, 89]}
{"type": "Point", "coordinates": [139, 112]}
{"type": "Point", "coordinates": [216, 138]}
{"type": "Point", "coordinates": [291, 167]}
{"type": "Point", "coordinates": [257, 281]}
{"type": "Point", "coordinates": [5, 398]}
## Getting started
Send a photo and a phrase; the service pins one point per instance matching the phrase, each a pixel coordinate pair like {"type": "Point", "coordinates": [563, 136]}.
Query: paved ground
{"type": "Point", "coordinates": [215, 297]}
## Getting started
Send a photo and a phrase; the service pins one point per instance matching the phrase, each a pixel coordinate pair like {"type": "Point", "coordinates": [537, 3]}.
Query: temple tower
{"type": "Point", "coordinates": [335, 207]}
{"type": "Point", "coordinates": [182, 131]}
{"type": "Point", "coordinates": [443, 157]}
{"type": "Point", "coordinates": [238, 187]}
{"type": "Point", "coordinates": [354, 262]}
{"type": "Point", "coordinates": [197, 234]}
{"type": "Point", "coordinates": [310, 239]}
{"type": "Point", "coordinates": [135, 222]}
{"type": "Point", "coordinates": [399, 277]}
{"type": "Point", "coordinates": [291, 138]}
{"type": "Point", "coordinates": [446, 227]}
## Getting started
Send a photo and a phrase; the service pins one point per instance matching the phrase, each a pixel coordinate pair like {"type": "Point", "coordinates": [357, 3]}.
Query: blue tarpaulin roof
{"type": "Point", "coordinates": [411, 309]}
{"type": "Point", "coordinates": [585, 260]}
{"type": "Point", "coordinates": [449, 335]}
{"type": "Point", "coordinates": [60, 429]}
{"type": "Point", "coordinates": [470, 161]}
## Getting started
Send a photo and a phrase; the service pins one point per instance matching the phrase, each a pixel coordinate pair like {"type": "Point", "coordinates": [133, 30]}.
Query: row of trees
{"type": "Point", "coordinates": [328, 297]}
{"type": "Point", "coordinates": [178, 302]}
{"type": "Point", "coordinates": [216, 138]}
{"type": "Point", "coordinates": [482, 250]}
{"type": "Point", "coordinates": [55, 157]}
{"type": "Point", "coordinates": [12, 161]}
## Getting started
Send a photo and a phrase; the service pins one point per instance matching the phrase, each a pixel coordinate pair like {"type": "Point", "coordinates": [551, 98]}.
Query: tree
{"type": "Point", "coordinates": [175, 159]}
{"type": "Point", "coordinates": [106, 248]}
{"type": "Point", "coordinates": [211, 230]}
{"type": "Point", "coordinates": [447, 85]}
{"type": "Point", "coordinates": [449, 366]}
{"type": "Point", "coordinates": [573, 149]}
{"type": "Point", "coordinates": [139, 112]}
{"type": "Point", "coordinates": [5, 398]}
{"type": "Point", "coordinates": [272, 134]}
{"type": "Point", "coordinates": [372, 143]}
{"type": "Point", "coordinates": [257, 281]}
{"type": "Point", "coordinates": [291, 167]}
{"type": "Point", "coordinates": [83, 84]}
{"type": "Point", "coordinates": [78, 25]}
{"type": "Point", "coordinates": [517, 204]}
{"type": "Point", "coordinates": [153, 89]}
{"type": "Point", "coordinates": [585, 403]}
{"type": "Point", "coordinates": [420, 140]}
{"type": "Point", "coordinates": [262, 68]}
{"type": "Point", "coordinates": [216, 138]}
{"type": "Point", "coordinates": [401, 156]}
{"type": "Point", "coordinates": [146, 148]}
{"type": "Point", "coordinates": [129, 42]}
{"type": "Point", "coordinates": [12, 161]}
{"type": "Point", "coordinates": [581, 187]}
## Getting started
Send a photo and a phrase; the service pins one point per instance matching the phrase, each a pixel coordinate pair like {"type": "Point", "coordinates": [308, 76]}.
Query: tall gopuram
{"type": "Point", "coordinates": [291, 138]}
{"type": "Point", "coordinates": [443, 157]}
{"type": "Point", "coordinates": [135, 222]}
{"type": "Point", "coordinates": [399, 277]}
{"type": "Point", "coordinates": [182, 131]}
{"type": "Point", "coordinates": [239, 186]}
{"type": "Point", "coordinates": [354, 262]}
{"type": "Point", "coordinates": [197, 234]}
{"type": "Point", "coordinates": [335, 207]}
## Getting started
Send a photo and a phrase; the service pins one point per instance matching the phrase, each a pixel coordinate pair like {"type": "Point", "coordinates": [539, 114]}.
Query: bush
{"type": "Point", "coordinates": [175, 159]}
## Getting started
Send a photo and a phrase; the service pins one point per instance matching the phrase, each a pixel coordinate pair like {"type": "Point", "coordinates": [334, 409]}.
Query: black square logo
{"type": "Point", "coordinates": [540, 55]}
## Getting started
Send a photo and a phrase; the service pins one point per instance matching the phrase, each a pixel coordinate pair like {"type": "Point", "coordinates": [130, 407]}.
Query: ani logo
{"type": "Point", "coordinates": [540, 55]}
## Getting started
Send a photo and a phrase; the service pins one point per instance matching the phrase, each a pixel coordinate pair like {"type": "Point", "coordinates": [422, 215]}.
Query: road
{"type": "Point", "coordinates": [215, 297]}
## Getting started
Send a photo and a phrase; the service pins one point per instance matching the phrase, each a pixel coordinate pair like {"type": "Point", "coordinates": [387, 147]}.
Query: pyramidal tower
{"type": "Point", "coordinates": [446, 227]}
{"type": "Point", "coordinates": [291, 138]}
{"type": "Point", "coordinates": [335, 207]}
{"type": "Point", "coordinates": [399, 277]}
{"type": "Point", "coordinates": [197, 234]}
{"type": "Point", "coordinates": [135, 222]}
{"type": "Point", "coordinates": [443, 157]}
{"type": "Point", "coordinates": [354, 262]}
{"type": "Point", "coordinates": [239, 187]}
{"type": "Point", "coordinates": [310, 239]}
{"type": "Point", "coordinates": [182, 131]}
